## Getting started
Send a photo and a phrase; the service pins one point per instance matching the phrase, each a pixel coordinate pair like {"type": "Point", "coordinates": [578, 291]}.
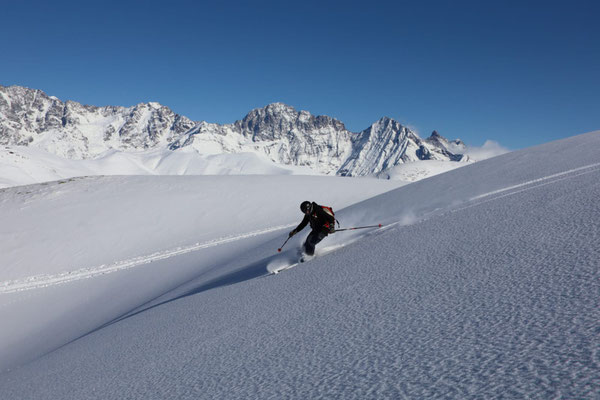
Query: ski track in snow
{"type": "Point", "coordinates": [42, 281]}
{"type": "Point", "coordinates": [549, 177]}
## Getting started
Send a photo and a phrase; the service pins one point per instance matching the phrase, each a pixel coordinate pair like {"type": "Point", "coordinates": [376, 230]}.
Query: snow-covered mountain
{"type": "Point", "coordinates": [277, 132]}
{"type": "Point", "coordinates": [483, 283]}
{"type": "Point", "coordinates": [29, 117]}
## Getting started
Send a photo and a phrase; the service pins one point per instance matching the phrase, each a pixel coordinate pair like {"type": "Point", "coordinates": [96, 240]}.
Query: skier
{"type": "Point", "coordinates": [322, 222]}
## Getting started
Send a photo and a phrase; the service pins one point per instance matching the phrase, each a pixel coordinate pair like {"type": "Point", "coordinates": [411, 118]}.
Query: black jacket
{"type": "Point", "coordinates": [319, 220]}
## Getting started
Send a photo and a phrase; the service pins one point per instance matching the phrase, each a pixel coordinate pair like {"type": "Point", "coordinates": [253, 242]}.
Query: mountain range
{"type": "Point", "coordinates": [276, 132]}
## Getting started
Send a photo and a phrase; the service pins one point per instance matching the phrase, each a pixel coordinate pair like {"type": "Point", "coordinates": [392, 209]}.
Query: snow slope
{"type": "Point", "coordinates": [415, 171]}
{"type": "Point", "coordinates": [484, 283]}
{"type": "Point", "coordinates": [82, 228]}
{"type": "Point", "coordinates": [21, 165]}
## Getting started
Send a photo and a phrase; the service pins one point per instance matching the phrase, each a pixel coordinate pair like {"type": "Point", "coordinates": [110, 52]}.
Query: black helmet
{"type": "Point", "coordinates": [306, 206]}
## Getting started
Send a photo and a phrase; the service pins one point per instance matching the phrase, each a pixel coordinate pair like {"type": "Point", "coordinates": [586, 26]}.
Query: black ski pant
{"type": "Point", "coordinates": [312, 239]}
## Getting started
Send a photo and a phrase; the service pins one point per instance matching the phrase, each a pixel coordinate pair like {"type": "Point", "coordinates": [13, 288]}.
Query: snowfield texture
{"type": "Point", "coordinates": [483, 283]}
{"type": "Point", "coordinates": [142, 137]}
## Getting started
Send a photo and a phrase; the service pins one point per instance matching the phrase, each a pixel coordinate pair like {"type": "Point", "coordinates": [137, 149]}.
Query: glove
{"type": "Point", "coordinates": [292, 233]}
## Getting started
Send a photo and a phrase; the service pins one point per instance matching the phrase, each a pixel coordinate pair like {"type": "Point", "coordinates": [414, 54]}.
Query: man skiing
{"type": "Point", "coordinates": [322, 222]}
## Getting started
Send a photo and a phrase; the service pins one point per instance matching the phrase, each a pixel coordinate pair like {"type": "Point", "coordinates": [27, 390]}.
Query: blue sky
{"type": "Point", "coordinates": [517, 72]}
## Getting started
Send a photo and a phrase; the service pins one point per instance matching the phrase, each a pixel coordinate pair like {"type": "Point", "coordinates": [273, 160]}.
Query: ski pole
{"type": "Point", "coordinates": [359, 227]}
{"type": "Point", "coordinates": [286, 240]}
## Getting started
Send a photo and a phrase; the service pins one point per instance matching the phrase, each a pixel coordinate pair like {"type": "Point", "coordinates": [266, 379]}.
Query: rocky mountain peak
{"type": "Point", "coordinates": [278, 131]}
{"type": "Point", "coordinates": [278, 120]}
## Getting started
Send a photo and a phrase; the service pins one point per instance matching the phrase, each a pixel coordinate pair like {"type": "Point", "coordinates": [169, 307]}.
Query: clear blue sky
{"type": "Point", "coordinates": [518, 72]}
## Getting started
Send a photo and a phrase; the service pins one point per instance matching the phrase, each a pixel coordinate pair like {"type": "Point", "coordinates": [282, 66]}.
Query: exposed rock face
{"type": "Point", "coordinates": [29, 117]}
{"type": "Point", "coordinates": [76, 131]}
